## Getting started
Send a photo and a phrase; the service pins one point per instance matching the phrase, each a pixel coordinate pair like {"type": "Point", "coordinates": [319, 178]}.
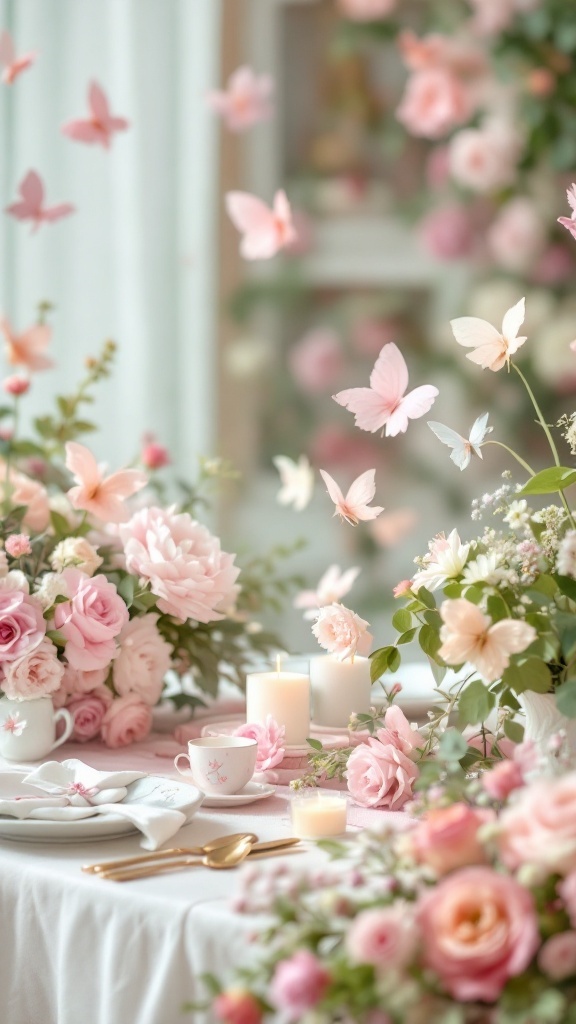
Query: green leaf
{"type": "Point", "coordinates": [452, 745]}
{"type": "Point", "coordinates": [433, 619]}
{"type": "Point", "coordinates": [567, 586]}
{"type": "Point", "coordinates": [82, 427]}
{"type": "Point", "coordinates": [427, 599]}
{"type": "Point", "coordinates": [438, 671]}
{"type": "Point", "coordinates": [548, 481]}
{"type": "Point", "coordinates": [566, 698]}
{"type": "Point", "coordinates": [496, 608]}
{"type": "Point", "coordinates": [45, 426]}
{"type": "Point", "coordinates": [395, 660]}
{"type": "Point", "coordinates": [402, 620]}
{"type": "Point", "coordinates": [475, 703]}
{"type": "Point", "coordinates": [127, 588]}
{"type": "Point", "coordinates": [315, 744]}
{"type": "Point", "coordinates": [547, 585]}
{"type": "Point", "coordinates": [513, 730]}
{"type": "Point", "coordinates": [474, 594]}
{"type": "Point", "coordinates": [60, 525]}
{"type": "Point", "coordinates": [408, 636]}
{"type": "Point", "coordinates": [56, 637]}
{"type": "Point", "coordinates": [379, 662]}
{"type": "Point", "coordinates": [453, 590]}
{"type": "Point", "coordinates": [533, 674]}
{"type": "Point", "coordinates": [429, 640]}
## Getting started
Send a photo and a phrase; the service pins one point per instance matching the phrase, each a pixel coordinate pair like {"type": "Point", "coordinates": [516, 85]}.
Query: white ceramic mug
{"type": "Point", "coordinates": [220, 764]}
{"type": "Point", "coordinates": [37, 737]}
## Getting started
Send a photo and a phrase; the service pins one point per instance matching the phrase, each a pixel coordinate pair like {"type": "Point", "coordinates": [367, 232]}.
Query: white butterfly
{"type": "Point", "coordinates": [492, 348]}
{"type": "Point", "coordinates": [297, 480]}
{"type": "Point", "coordinates": [355, 506]}
{"type": "Point", "coordinates": [462, 448]}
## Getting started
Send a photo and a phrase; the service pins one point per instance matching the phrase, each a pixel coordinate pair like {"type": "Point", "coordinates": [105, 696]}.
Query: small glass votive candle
{"type": "Point", "coordinates": [317, 815]}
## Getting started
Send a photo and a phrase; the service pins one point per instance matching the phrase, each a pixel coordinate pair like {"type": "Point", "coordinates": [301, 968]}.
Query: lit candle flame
{"type": "Point", "coordinates": [278, 663]}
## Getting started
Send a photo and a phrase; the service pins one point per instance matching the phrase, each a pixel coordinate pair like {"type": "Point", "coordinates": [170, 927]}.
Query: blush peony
{"type": "Point", "coordinates": [341, 631]}
{"type": "Point", "coordinates": [91, 620]}
{"type": "Point", "coordinates": [182, 562]}
{"type": "Point", "coordinates": [380, 775]}
{"type": "Point", "coordinates": [143, 659]}
{"type": "Point", "coordinates": [479, 929]}
{"type": "Point", "coordinates": [37, 674]}
{"type": "Point", "coordinates": [435, 101]}
{"type": "Point", "coordinates": [385, 937]}
{"type": "Point", "coordinates": [127, 721]}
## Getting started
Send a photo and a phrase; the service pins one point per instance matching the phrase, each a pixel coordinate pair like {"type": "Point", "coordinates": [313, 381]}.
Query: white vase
{"type": "Point", "coordinates": [542, 722]}
{"type": "Point", "coordinates": [35, 733]}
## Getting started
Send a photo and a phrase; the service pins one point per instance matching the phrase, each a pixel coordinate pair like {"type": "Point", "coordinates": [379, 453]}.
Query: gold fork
{"type": "Point", "coordinates": [209, 861]}
{"type": "Point", "coordinates": [177, 851]}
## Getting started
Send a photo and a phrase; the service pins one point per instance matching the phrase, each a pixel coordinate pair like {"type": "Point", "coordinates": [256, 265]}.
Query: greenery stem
{"type": "Point", "coordinates": [515, 455]}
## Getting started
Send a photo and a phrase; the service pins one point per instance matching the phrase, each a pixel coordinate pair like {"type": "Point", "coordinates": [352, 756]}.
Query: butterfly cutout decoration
{"type": "Point", "coordinates": [297, 479]}
{"type": "Point", "coordinates": [31, 206]}
{"type": "Point", "coordinates": [246, 100]}
{"type": "Point", "coordinates": [462, 447]}
{"type": "Point", "coordinates": [570, 222]}
{"type": "Point", "coordinates": [384, 404]}
{"type": "Point", "coordinates": [492, 348]}
{"type": "Point", "coordinates": [355, 506]}
{"type": "Point", "coordinates": [100, 126]}
{"type": "Point", "coordinates": [11, 64]}
{"type": "Point", "coordinates": [265, 231]}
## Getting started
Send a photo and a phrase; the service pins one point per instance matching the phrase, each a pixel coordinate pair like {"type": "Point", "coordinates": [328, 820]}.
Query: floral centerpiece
{"type": "Point", "coordinates": [104, 588]}
{"type": "Point", "coordinates": [468, 916]}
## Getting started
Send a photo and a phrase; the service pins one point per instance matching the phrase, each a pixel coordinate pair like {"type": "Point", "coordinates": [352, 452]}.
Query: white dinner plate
{"type": "Point", "coordinates": [102, 826]}
{"type": "Point", "coordinates": [251, 792]}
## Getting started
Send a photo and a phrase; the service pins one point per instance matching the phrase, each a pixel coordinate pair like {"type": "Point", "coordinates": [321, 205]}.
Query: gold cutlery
{"type": "Point", "coordinates": [177, 851]}
{"type": "Point", "coordinates": [229, 857]}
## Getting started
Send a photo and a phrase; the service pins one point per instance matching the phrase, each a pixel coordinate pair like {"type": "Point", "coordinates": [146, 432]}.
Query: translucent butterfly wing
{"type": "Point", "coordinates": [460, 453]}
{"type": "Point", "coordinates": [478, 432]}
{"type": "Point", "coordinates": [571, 197]}
{"type": "Point", "coordinates": [360, 494]}
{"type": "Point", "coordinates": [255, 220]}
{"type": "Point", "coordinates": [370, 410]}
{"type": "Point", "coordinates": [389, 378]}
{"type": "Point", "coordinates": [472, 332]}
{"type": "Point", "coordinates": [415, 404]}
{"type": "Point", "coordinates": [333, 489]}
{"type": "Point", "coordinates": [98, 103]}
{"type": "Point", "coordinates": [511, 324]}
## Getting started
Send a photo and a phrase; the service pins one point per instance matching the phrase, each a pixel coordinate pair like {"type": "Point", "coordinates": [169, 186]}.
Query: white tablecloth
{"type": "Point", "coordinates": [77, 950]}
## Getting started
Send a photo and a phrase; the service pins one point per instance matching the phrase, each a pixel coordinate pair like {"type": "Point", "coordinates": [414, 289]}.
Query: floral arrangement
{"type": "Point", "coordinates": [466, 916]}
{"type": "Point", "coordinates": [103, 588]}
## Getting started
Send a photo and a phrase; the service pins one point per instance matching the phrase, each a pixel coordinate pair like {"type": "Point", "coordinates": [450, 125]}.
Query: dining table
{"type": "Point", "coordinates": [79, 949]}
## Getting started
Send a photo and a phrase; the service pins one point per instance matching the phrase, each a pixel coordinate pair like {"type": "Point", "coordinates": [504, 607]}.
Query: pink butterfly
{"type": "Point", "coordinates": [384, 403]}
{"type": "Point", "coordinates": [265, 230]}
{"type": "Point", "coordinates": [355, 506]}
{"type": "Point", "coordinates": [492, 348]}
{"type": "Point", "coordinates": [102, 496]}
{"type": "Point", "coordinates": [570, 222]}
{"type": "Point", "coordinates": [245, 101]}
{"type": "Point", "coordinates": [100, 126]}
{"type": "Point", "coordinates": [13, 65]}
{"type": "Point", "coordinates": [31, 205]}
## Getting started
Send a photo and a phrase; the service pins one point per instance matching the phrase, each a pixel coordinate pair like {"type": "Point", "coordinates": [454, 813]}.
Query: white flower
{"type": "Point", "coordinates": [484, 569]}
{"type": "Point", "coordinates": [566, 560]}
{"type": "Point", "coordinates": [445, 561]}
{"type": "Point", "coordinates": [517, 515]}
{"type": "Point", "coordinates": [78, 552]}
{"type": "Point", "coordinates": [52, 585]}
{"type": "Point", "coordinates": [15, 580]}
{"type": "Point", "coordinates": [333, 586]}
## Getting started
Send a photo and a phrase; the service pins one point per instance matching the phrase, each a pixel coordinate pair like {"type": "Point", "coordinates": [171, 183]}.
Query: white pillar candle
{"type": "Point", "coordinates": [339, 688]}
{"type": "Point", "coordinates": [285, 696]}
{"type": "Point", "coordinates": [316, 815]}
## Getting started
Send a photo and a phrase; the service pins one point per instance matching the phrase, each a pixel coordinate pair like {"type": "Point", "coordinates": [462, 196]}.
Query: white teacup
{"type": "Point", "coordinates": [220, 764]}
{"type": "Point", "coordinates": [37, 737]}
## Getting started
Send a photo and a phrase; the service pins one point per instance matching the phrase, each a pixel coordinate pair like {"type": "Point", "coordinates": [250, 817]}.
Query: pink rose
{"type": "Point", "coordinates": [183, 563]}
{"type": "Point", "coordinates": [127, 721]}
{"type": "Point", "coordinates": [517, 236]}
{"type": "Point", "coordinates": [143, 659]}
{"type": "Point", "coordinates": [341, 631]}
{"type": "Point", "coordinates": [448, 839]}
{"type": "Point", "coordinates": [270, 740]}
{"type": "Point", "coordinates": [503, 779]}
{"type": "Point", "coordinates": [385, 937]}
{"type": "Point", "coordinates": [435, 101]}
{"type": "Point", "coordinates": [22, 625]}
{"type": "Point", "coordinates": [37, 674]}
{"type": "Point", "coordinates": [380, 775]}
{"type": "Point", "coordinates": [88, 711]}
{"type": "Point", "coordinates": [316, 361]}
{"type": "Point", "coordinates": [539, 828]}
{"type": "Point", "coordinates": [484, 159]}
{"type": "Point", "coordinates": [479, 929]}
{"type": "Point", "coordinates": [18, 544]}
{"type": "Point", "coordinates": [567, 890]}
{"type": "Point", "coordinates": [237, 1006]}
{"type": "Point", "coordinates": [298, 984]}
{"type": "Point", "coordinates": [91, 620]}
{"type": "Point", "coordinates": [448, 232]}
{"type": "Point", "coordinates": [398, 731]}
{"type": "Point", "coordinates": [557, 958]}
{"type": "Point", "coordinates": [74, 682]}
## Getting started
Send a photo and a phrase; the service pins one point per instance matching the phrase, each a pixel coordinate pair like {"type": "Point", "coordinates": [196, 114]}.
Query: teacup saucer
{"type": "Point", "coordinates": [251, 792]}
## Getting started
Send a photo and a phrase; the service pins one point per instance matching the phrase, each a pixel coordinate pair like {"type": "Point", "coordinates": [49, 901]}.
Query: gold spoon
{"type": "Point", "coordinates": [178, 851]}
{"type": "Point", "coordinates": [222, 858]}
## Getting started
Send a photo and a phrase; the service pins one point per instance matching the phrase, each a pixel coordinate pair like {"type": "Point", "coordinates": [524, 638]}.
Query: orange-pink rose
{"type": "Point", "coordinates": [479, 929]}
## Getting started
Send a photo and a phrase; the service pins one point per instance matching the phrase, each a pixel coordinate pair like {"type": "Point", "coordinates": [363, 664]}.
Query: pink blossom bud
{"type": "Point", "coordinates": [396, 689]}
{"type": "Point", "coordinates": [402, 588]}
{"type": "Point", "coordinates": [154, 455]}
{"type": "Point", "coordinates": [18, 544]}
{"type": "Point", "coordinates": [16, 385]}
{"type": "Point", "coordinates": [237, 1006]}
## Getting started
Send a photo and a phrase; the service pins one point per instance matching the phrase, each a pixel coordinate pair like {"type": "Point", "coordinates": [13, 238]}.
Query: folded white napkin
{"type": "Point", "coordinates": [73, 790]}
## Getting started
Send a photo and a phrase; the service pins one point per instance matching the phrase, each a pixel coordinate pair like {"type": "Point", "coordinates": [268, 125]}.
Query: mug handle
{"type": "Point", "coordinates": [177, 766]}
{"type": "Point", "coordinates": [63, 715]}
